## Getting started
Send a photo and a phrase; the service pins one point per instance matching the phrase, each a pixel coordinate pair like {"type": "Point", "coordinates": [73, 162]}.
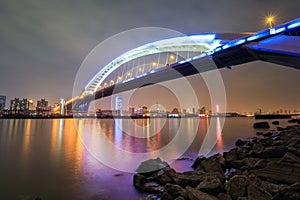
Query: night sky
{"type": "Point", "coordinates": [43, 43]}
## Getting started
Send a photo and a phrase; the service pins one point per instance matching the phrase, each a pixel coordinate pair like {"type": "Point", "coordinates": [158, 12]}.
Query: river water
{"type": "Point", "coordinates": [94, 158]}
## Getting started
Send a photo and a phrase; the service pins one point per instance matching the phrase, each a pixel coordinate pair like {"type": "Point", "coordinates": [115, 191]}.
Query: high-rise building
{"type": "Point", "coordinates": [42, 105]}
{"type": "Point", "coordinates": [19, 104]}
{"type": "Point", "coordinates": [2, 102]}
{"type": "Point", "coordinates": [119, 102]}
{"type": "Point", "coordinates": [62, 106]}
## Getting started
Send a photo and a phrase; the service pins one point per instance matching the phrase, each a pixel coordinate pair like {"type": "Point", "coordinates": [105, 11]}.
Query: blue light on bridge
{"type": "Point", "coordinates": [278, 30]}
{"type": "Point", "coordinates": [217, 49]}
{"type": "Point", "coordinates": [293, 25]}
{"type": "Point", "coordinates": [241, 41]}
{"type": "Point", "coordinates": [251, 38]}
{"type": "Point", "coordinates": [226, 46]}
{"type": "Point", "coordinates": [182, 61]}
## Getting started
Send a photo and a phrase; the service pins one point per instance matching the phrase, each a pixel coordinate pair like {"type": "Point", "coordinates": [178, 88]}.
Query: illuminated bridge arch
{"type": "Point", "coordinates": [194, 43]}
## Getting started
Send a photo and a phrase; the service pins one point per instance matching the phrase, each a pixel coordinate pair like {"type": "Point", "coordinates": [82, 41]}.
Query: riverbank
{"type": "Point", "coordinates": [265, 167]}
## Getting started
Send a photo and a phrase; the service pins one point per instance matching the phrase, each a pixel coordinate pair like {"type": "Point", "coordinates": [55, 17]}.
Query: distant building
{"type": "Point", "coordinates": [2, 102]}
{"type": "Point", "coordinates": [19, 104]}
{"type": "Point", "coordinates": [202, 111]}
{"type": "Point", "coordinates": [131, 110]}
{"type": "Point", "coordinates": [42, 105]}
{"type": "Point", "coordinates": [62, 106]}
{"type": "Point", "coordinates": [142, 110]}
{"type": "Point", "coordinates": [119, 102]}
{"type": "Point", "coordinates": [31, 105]}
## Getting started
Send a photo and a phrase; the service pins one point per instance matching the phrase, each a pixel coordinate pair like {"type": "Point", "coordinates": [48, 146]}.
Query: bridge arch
{"type": "Point", "coordinates": [196, 43]}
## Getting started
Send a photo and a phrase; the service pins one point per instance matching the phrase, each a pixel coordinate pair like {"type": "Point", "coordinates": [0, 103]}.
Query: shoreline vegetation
{"type": "Point", "coordinates": [266, 167]}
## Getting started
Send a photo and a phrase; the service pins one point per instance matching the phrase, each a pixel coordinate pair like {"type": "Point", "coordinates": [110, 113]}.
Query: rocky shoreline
{"type": "Point", "coordinates": [264, 168]}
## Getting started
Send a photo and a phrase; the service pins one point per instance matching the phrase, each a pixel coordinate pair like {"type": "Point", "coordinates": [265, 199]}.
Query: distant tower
{"type": "Point", "coordinates": [119, 104]}
{"type": "Point", "coordinates": [217, 108]}
{"type": "Point", "coordinates": [62, 106]}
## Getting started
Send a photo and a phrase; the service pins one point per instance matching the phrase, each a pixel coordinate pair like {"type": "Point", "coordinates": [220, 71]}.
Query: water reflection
{"type": "Point", "coordinates": [26, 140]}
{"type": "Point", "coordinates": [219, 135]}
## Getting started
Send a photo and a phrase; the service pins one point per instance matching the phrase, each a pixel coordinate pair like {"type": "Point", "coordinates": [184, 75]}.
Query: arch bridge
{"type": "Point", "coordinates": [187, 55]}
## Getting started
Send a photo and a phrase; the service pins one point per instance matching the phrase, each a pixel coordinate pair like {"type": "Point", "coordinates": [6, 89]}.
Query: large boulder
{"type": "Point", "coordinates": [274, 152]}
{"type": "Point", "coordinates": [190, 178]}
{"type": "Point", "coordinates": [214, 165]}
{"type": "Point", "coordinates": [150, 166]}
{"type": "Point", "coordinates": [279, 172]}
{"type": "Point", "coordinates": [261, 125]}
{"type": "Point", "coordinates": [240, 143]}
{"type": "Point", "coordinates": [211, 185]}
{"type": "Point", "coordinates": [194, 194]}
{"type": "Point", "coordinates": [197, 162]}
{"type": "Point", "coordinates": [175, 190]}
{"type": "Point", "coordinates": [290, 158]}
{"type": "Point", "coordinates": [256, 193]}
{"type": "Point", "coordinates": [139, 181]}
{"type": "Point", "coordinates": [258, 148]}
{"type": "Point", "coordinates": [237, 186]}
{"type": "Point", "coordinates": [153, 188]}
{"type": "Point", "coordinates": [289, 193]}
{"type": "Point", "coordinates": [223, 196]}
{"type": "Point", "coordinates": [231, 155]}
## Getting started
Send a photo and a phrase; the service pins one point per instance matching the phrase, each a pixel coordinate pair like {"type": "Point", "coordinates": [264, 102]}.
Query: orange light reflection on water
{"type": "Point", "coordinates": [220, 145]}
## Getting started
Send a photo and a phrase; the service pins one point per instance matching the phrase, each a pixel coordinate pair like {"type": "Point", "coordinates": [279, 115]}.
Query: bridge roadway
{"type": "Point", "coordinates": [280, 45]}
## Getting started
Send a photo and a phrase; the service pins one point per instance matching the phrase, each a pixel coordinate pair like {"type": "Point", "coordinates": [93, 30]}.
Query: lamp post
{"type": "Point", "coordinates": [270, 20]}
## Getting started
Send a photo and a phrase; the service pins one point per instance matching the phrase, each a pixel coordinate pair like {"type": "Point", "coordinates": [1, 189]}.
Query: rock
{"type": "Point", "coordinates": [191, 178]}
{"type": "Point", "coordinates": [249, 162]}
{"type": "Point", "coordinates": [231, 156]}
{"type": "Point", "coordinates": [153, 188]}
{"type": "Point", "coordinates": [259, 133]}
{"type": "Point", "coordinates": [258, 148]}
{"type": "Point", "coordinates": [151, 197]}
{"type": "Point", "coordinates": [261, 125]}
{"type": "Point", "coordinates": [291, 192]}
{"type": "Point", "coordinates": [211, 185]}
{"type": "Point", "coordinates": [175, 190]}
{"type": "Point", "coordinates": [166, 196]}
{"type": "Point", "coordinates": [213, 165]}
{"type": "Point", "coordinates": [274, 152]}
{"type": "Point", "coordinates": [139, 181]}
{"type": "Point", "coordinates": [275, 122]}
{"type": "Point", "coordinates": [262, 163]}
{"type": "Point", "coordinates": [292, 120]}
{"type": "Point", "coordinates": [194, 194]}
{"type": "Point", "coordinates": [223, 196]}
{"type": "Point", "coordinates": [197, 162]}
{"type": "Point", "coordinates": [271, 187]}
{"type": "Point", "coordinates": [280, 128]}
{"type": "Point", "coordinates": [290, 158]}
{"type": "Point", "coordinates": [163, 176]}
{"type": "Point", "coordinates": [152, 165]}
{"type": "Point", "coordinates": [256, 193]}
{"type": "Point", "coordinates": [237, 186]}
{"type": "Point", "coordinates": [294, 142]}
{"type": "Point", "coordinates": [180, 198]}
{"type": "Point", "coordinates": [279, 173]}
{"type": "Point", "coordinates": [267, 134]}
{"type": "Point", "coordinates": [240, 143]}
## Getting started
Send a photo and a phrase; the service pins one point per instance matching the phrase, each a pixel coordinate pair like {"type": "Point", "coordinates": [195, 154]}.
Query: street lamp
{"type": "Point", "coordinates": [172, 57]}
{"type": "Point", "coordinates": [270, 20]}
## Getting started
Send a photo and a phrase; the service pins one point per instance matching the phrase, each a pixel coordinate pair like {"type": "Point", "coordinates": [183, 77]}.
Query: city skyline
{"type": "Point", "coordinates": [50, 51]}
